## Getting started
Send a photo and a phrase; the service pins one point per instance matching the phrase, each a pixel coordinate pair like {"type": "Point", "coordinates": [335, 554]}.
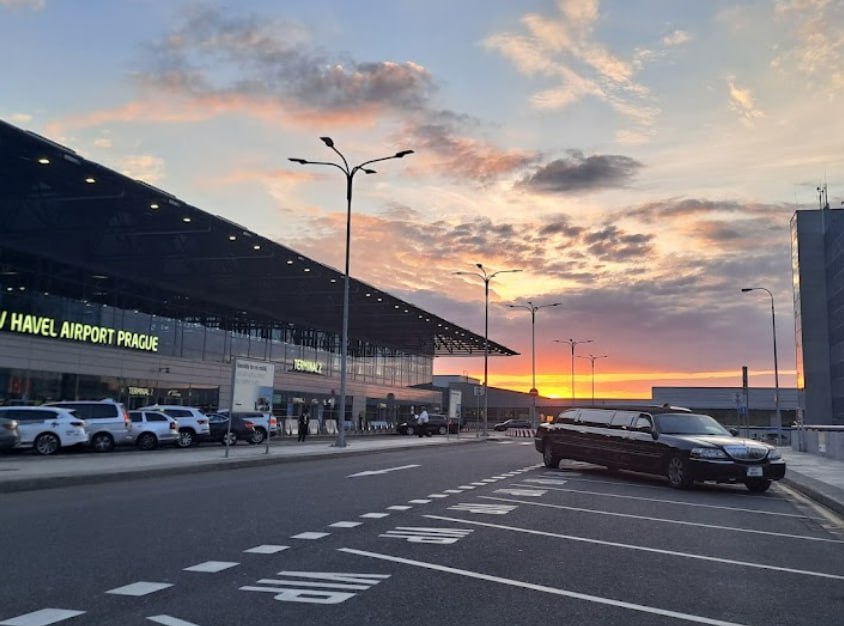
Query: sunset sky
{"type": "Point", "coordinates": [638, 160]}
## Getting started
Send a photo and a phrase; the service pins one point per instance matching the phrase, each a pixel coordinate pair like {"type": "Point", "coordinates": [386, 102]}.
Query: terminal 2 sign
{"type": "Point", "coordinates": [302, 365]}
{"type": "Point", "coordinates": [40, 325]}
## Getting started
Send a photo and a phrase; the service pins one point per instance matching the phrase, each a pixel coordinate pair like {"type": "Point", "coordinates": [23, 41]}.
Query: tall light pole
{"type": "Point", "coordinates": [776, 365]}
{"type": "Point", "coordinates": [593, 358]}
{"type": "Point", "coordinates": [486, 277]}
{"type": "Point", "coordinates": [533, 308]}
{"type": "Point", "coordinates": [349, 172]}
{"type": "Point", "coordinates": [572, 343]}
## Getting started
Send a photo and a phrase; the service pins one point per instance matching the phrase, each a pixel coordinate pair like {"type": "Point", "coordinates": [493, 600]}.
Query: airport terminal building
{"type": "Point", "coordinates": [112, 288]}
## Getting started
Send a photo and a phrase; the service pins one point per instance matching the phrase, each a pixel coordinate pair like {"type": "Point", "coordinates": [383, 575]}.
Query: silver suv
{"type": "Point", "coordinates": [106, 422]}
{"type": "Point", "coordinates": [193, 423]}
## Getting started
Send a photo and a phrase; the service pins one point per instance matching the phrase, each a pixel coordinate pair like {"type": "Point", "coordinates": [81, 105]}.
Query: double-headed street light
{"type": "Point", "coordinates": [486, 277]}
{"type": "Point", "coordinates": [349, 172]}
{"type": "Point", "coordinates": [593, 358]}
{"type": "Point", "coordinates": [533, 308]}
{"type": "Point", "coordinates": [776, 365]}
{"type": "Point", "coordinates": [572, 343]}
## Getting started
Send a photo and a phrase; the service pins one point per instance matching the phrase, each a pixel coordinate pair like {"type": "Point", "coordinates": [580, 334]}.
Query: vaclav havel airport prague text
{"type": "Point", "coordinates": [28, 324]}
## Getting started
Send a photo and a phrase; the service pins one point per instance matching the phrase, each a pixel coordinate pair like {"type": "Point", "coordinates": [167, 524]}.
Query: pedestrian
{"type": "Point", "coordinates": [422, 423]}
{"type": "Point", "coordinates": [304, 421]}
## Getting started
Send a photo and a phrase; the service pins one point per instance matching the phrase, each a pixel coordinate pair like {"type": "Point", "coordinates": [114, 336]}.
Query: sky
{"type": "Point", "coordinates": [638, 160]}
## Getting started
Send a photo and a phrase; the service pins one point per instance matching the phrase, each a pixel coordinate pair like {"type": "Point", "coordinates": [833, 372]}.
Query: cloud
{"type": "Point", "coordinates": [677, 38]}
{"type": "Point", "coordinates": [20, 118]}
{"type": "Point", "coordinates": [741, 101]}
{"type": "Point", "coordinates": [145, 167]}
{"type": "Point", "coordinates": [578, 174]}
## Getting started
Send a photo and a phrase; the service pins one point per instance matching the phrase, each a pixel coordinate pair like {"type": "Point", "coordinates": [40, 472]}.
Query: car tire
{"type": "Point", "coordinates": [147, 441]}
{"type": "Point", "coordinates": [187, 438]}
{"type": "Point", "coordinates": [410, 430]}
{"type": "Point", "coordinates": [102, 442]}
{"type": "Point", "coordinates": [258, 436]}
{"type": "Point", "coordinates": [548, 457]}
{"type": "Point", "coordinates": [678, 472]}
{"type": "Point", "coordinates": [231, 437]}
{"type": "Point", "coordinates": [758, 485]}
{"type": "Point", "coordinates": [442, 430]}
{"type": "Point", "coordinates": [47, 444]}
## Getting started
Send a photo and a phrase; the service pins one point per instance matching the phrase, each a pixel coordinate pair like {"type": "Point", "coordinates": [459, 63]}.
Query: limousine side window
{"type": "Point", "coordinates": [622, 419]}
{"type": "Point", "coordinates": [595, 417]}
{"type": "Point", "coordinates": [643, 424]}
{"type": "Point", "coordinates": [566, 417]}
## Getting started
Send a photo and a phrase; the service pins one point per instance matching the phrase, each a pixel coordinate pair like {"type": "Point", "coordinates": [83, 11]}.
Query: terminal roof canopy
{"type": "Point", "coordinates": [76, 228]}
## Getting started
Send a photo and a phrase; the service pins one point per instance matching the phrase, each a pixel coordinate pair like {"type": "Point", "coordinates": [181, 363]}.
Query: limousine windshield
{"type": "Point", "coordinates": [689, 424]}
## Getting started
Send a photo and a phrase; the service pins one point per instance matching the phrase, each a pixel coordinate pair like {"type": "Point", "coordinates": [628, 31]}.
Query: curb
{"type": "Point", "coordinates": [815, 490]}
{"type": "Point", "coordinates": [69, 480]}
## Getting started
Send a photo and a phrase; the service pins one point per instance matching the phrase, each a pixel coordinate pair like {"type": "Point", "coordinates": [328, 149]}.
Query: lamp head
{"type": "Point", "coordinates": [403, 153]}
{"type": "Point", "coordinates": [328, 141]}
{"type": "Point", "coordinates": [368, 171]}
{"type": "Point", "coordinates": [479, 266]}
{"type": "Point", "coordinates": [746, 289]}
{"type": "Point", "coordinates": [299, 161]}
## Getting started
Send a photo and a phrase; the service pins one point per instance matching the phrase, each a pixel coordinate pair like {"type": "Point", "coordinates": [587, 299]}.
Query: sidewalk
{"type": "Point", "coordinates": [817, 477]}
{"type": "Point", "coordinates": [27, 471]}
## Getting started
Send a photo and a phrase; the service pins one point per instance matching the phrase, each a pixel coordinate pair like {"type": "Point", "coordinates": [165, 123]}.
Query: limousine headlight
{"type": "Point", "coordinates": [708, 453]}
{"type": "Point", "coordinates": [774, 455]}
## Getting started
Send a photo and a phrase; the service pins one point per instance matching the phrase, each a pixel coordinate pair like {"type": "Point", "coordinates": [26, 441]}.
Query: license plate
{"type": "Point", "coordinates": [754, 471]}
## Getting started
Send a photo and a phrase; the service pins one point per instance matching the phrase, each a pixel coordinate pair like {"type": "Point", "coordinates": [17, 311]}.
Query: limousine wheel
{"type": "Point", "coordinates": [678, 472]}
{"type": "Point", "coordinates": [410, 430]}
{"type": "Point", "coordinates": [548, 457]}
{"type": "Point", "coordinates": [758, 485]}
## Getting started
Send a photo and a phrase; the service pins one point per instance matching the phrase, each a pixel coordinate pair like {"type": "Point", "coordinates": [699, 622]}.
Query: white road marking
{"type": "Point", "coordinates": [310, 592]}
{"type": "Point", "coordinates": [706, 506]}
{"type": "Point", "coordinates": [668, 521]}
{"type": "Point", "coordinates": [383, 471]}
{"type": "Point", "coordinates": [501, 477]}
{"type": "Point", "coordinates": [375, 515]}
{"type": "Point", "coordinates": [626, 546]}
{"type": "Point", "coordinates": [504, 443]}
{"type": "Point", "coordinates": [419, 501]}
{"type": "Point", "coordinates": [546, 481]}
{"type": "Point", "coordinates": [211, 567]}
{"type": "Point", "coordinates": [452, 491]}
{"type": "Point", "coordinates": [479, 484]}
{"type": "Point", "coordinates": [488, 509]}
{"type": "Point", "coordinates": [487, 480]}
{"type": "Point", "coordinates": [141, 588]}
{"type": "Point", "coordinates": [525, 493]}
{"type": "Point", "coordinates": [467, 486]}
{"type": "Point", "coordinates": [44, 617]}
{"type": "Point", "coordinates": [310, 535]}
{"type": "Point", "coordinates": [345, 524]}
{"type": "Point", "coordinates": [169, 621]}
{"type": "Point", "coordinates": [266, 549]}
{"type": "Point", "coordinates": [525, 443]}
{"type": "Point", "coordinates": [399, 507]}
{"type": "Point", "coordinates": [437, 495]}
{"type": "Point", "coordinates": [545, 589]}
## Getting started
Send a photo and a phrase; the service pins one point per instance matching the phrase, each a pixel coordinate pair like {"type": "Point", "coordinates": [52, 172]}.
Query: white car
{"type": "Point", "coordinates": [193, 423]}
{"type": "Point", "coordinates": [152, 428]}
{"type": "Point", "coordinates": [264, 423]}
{"type": "Point", "coordinates": [46, 428]}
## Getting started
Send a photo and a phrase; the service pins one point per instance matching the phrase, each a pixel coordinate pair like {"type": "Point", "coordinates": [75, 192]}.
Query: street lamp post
{"type": "Point", "coordinates": [486, 277]}
{"type": "Point", "coordinates": [349, 172]}
{"type": "Point", "coordinates": [533, 308]}
{"type": "Point", "coordinates": [593, 358]}
{"type": "Point", "coordinates": [776, 365]}
{"type": "Point", "coordinates": [572, 343]}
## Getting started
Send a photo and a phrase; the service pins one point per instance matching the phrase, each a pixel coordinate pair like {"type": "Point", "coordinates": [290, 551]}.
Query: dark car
{"type": "Point", "coordinates": [241, 429]}
{"type": "Point", "coordinates": [512, 424]}
{"type": "Point", "coordinates": [437, 425]}
{"type": "Point", "coordinates": [685, 447]}
{"type": "Point", "coordinates": [10, 435]}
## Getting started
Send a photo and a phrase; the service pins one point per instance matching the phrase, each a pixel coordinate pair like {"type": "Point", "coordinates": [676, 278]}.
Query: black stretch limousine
{"type": "Point", "coordinates": [673, 442]}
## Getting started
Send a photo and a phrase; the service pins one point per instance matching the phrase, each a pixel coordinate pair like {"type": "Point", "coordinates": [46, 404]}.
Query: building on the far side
{"type": "Point", "coordinates": [817, 258]}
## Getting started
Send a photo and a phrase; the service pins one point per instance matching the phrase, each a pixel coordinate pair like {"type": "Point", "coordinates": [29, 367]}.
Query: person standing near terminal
{"type": "Point", "coordinates": [304, 423]}
{"type": "Point", "coordinates": [422, 423]}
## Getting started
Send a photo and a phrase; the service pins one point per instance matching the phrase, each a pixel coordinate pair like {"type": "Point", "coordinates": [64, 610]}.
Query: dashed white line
{"type": "Point", "coordinates": [345, 524]}
{"type": "Point", "coordinates": [437, 495]}
{"type": "Point", "coordinates": [419, 501]}
{"type": "Point", "coordinates": [467, 486]}
{"type": "Point", "coordinates": [266, 549]}
{"type": "Point", "coordinates": [375, 515]}
{"type": "Point", "coordinates": [399, 507]}
{"type": "Point", "coordinates": [211, 567]}
{"type": "Point", "coordinates": [479, 484]}
{"type": "Point", "coordinates": [552, 590]}
{"type": "Point", "coordinates": [44, 617]}
{"type": "Point", "coordinates": [169, 621]}
{"type": "Point", "coordinates": [137, 589]}
{"type": "Point", "coordinates": [310, 535]}
{"type": "Point", "coordinates": [452, 491]}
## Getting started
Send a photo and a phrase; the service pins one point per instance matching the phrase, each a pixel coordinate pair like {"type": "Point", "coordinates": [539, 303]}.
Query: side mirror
{"type": "Point", "coordinates": [734, 432]}
{"type": "Point", "coordinates": [654, 435]}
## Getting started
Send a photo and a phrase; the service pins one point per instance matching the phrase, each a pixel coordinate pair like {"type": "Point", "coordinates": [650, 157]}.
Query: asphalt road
{"type": "Point", "coordinates": [478, 534]}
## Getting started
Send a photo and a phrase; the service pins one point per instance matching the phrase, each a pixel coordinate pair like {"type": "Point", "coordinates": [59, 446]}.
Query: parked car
{"type": "Point", "coordinates": [106, 422]}
{"type": "Point", "coordinates": [685, 447]}
{"type": "Point", "coordinates": [10, 435]}
{"type": "Point", "coordinates": [264, 423]}
{"type": "Point", "coordinates": [242, 429]}
{"type": "Point", "coordinates": [437, 425]}
{"type": "Point", "coordinates": [193, 423]}
{"type": "Point", "coordinates": [512, 423]}
{"type": "Point", "coordinates": [46, 429]}
{"type": "Point", "coordinates": [152, 428]}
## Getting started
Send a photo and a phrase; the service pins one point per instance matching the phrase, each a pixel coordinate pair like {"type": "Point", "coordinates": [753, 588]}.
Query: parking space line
{"type": "Point", "coordinates": [266, 549]}
{"type": "Point", "coordinates": [44, 617]}
{"type": "Point", "coordinates": [419, 501]}
{"type": "Point", "coordinates": [345, 524]}
{"type": "Point", "coordinates": [707, 506]}
{"type": "Point", "coordinates": [399, 507]}
{"type": "Point", "coordinates": [211, 567]}
{"type": "Point", "coordinates": [648, 518]}
{"type": "Point", "coordinates": [437, 495]}
{"type": "Point", "coordinates": [310, 535]}
{"type": "Point", "coordinates": [138, 589]}
{"type": "Point", "coordinates": [542, 588]}
{"type": "Point", "coordinates": [374, 515]}
{"type": "Point", "coordinates": [626, 546]}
